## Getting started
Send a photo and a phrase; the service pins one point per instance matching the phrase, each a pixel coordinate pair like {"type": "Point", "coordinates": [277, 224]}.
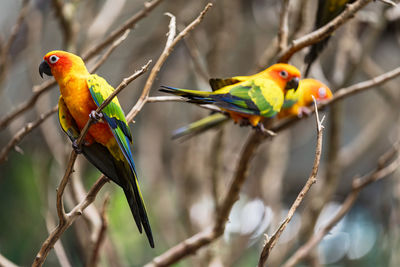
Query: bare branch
{"type": "Point", "coordinates": [23, 132]}
{"type": "Point", "coordinates": [322, 32]}
{"type": "Point", "coordinates": [358, 185]}
{"type": "Point", "coordinates": [310, 181]}
{"type": "Point", "coordinates": [100, 238]}
{"type": "Point", "coordinates": [205, 237]}
{"type": "Point", "coordinates": [14, 31]}
{"type": "Point", "coordinates": [164, 55]}
{"type": "Point", "coordinates": [283, 33]}
{"type": "Point", "coordinates": [128, 24]}
{"type": "Point", "coordinates": [4, 262]}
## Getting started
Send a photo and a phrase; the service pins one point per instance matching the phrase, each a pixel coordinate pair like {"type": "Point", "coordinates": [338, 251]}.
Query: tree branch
{"type": "Point", "coordinates": [164, 55]}
{"type": "Point", "coordinates": [323, 32]}
{"type": "Point", "coordinates": [310, 181]}
{"type": "Point", "coordinates": [358, 184]}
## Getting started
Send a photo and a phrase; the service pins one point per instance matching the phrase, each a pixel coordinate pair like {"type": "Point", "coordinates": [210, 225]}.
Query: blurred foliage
{"type": "Point", "coordinates": [174, 175]}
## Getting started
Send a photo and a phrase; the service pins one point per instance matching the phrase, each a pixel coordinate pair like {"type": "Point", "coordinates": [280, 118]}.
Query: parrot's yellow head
{"type": "Point", "coordinates": [59, 64]}
{"type": "Point", "coordinates": [287, 76]}
{"type": "Point", "coordinates": [312, 87]}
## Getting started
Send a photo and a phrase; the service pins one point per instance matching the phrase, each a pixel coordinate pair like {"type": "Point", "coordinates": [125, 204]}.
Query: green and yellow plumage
{"type": "Point", "coordinates": [107, 143]}
{"type": "Point", "coordinates": [246, 97]}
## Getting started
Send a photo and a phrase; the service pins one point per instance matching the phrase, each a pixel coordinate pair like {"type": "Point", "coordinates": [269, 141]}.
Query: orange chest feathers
{"type": "Point", "coordinates": [79, 102]}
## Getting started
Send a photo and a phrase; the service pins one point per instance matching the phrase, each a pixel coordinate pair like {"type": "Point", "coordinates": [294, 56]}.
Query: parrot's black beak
{"type": "Point", "coordinates": [292, 84]}
{"type": "Point", "coordinates": [44, 68]}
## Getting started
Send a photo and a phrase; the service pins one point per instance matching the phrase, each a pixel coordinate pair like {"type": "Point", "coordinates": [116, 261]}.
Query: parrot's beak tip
{"type": "Point", "coordinates": [293, 84]}
{"type": "Point", "coordinates": [44, 68]}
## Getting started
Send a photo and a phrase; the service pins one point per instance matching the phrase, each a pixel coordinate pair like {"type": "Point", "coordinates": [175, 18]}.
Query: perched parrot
{"type": "Point", "coordinates": [327, 11]}
{"type": "Point", "coordinates": [107, 143]}
{"type": "Point", "coordinates": [307, 87]}
{"type": "Point", "coordinates": [247, 99]}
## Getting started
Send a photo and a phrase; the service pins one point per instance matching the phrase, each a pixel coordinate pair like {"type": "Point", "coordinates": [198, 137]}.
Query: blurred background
{"type": "Point", "coordinates": [183, 181]}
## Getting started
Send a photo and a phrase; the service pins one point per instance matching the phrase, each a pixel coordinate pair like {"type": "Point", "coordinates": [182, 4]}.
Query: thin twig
{"type": "Point", "coordinates": [100, 238]}
{"type": "Point", "coordinates": [65, 220]}
{"type": "Point", "coordinates": [310, 181]}
{"type": "Point", "coordinates": [283, 32]}
{"type": "Point", "coordinates": [164, 55]}
{"type": "Point", "coordinates": [322, 32]}
{"type": "Point", "coordinates": [23, 132]}
{"type": "Point", "coordinates": [358, 185]}
{"type": "Point", "coordinates": [128, 24]}
{"type": "Point", "coordinates": [205, 237]}
{"type": "Point", "coordinates": [4, 262]}
{"type": "Point", "coordinates": [14, 31]}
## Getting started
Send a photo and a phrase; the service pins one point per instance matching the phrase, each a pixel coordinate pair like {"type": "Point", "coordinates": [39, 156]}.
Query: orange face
{"type": "Point", "coordinates": [60, 63]}
{"type": "Point", "coordinates": [314, 88]}
{"type": "Point", "coordinates": [287, 76]}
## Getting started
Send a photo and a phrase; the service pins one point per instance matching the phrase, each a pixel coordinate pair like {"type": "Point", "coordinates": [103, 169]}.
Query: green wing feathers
{"type": "Point", "coordinates": [125, 172]}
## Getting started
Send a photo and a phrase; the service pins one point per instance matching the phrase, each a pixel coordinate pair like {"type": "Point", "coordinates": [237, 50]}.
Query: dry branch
{"type": "Point", "coordinates": [100, 237]}
{"type": "Point", "coordinates": [164, 55]}
{"type": "Point", "coordinates": [323, 32]}
{"type": "Point", "coordinates": [23, 132]}
{"type": "Point", "coordinates": [4, 262]}
{"type": "Point", "coordinates": [283, 32]}
{"type": "Point", "coordinates": [310, 181]}
{"type": "Point", "coordinates": [358, 185]}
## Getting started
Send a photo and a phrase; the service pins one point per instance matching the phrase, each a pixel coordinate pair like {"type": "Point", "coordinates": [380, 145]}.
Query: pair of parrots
{"type": "Point", "coordinates": [245, 99]}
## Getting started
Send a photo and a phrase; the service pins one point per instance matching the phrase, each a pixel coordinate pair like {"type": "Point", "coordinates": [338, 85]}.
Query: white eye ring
{"type": "Point", "coordinates": [53, 59]}
{"type": "Point", "coordinates": [284, 74]}
{"type": "Point", "coordinates": [321, 92]}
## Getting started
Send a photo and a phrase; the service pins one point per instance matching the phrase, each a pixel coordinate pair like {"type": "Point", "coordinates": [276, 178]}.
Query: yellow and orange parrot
{"type": "Point", "coordinates": [296, 105]}
{"type": "Point", "coordinates": [247, 99]}
{"type": "Point", "coordinates": [307, 89]}
{"type": "Point", "coordinates": [107, 143]}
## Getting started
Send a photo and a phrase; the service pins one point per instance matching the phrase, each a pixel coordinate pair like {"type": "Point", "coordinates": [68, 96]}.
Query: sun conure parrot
{"type": "Point", "coordinates": [307, 87]}
{"type": "Point", "coordinates": [327, 11]}
{"type": "Point", "coordinates": [107, 143]}
{"type": "Point", "coordinates": [247, 99]}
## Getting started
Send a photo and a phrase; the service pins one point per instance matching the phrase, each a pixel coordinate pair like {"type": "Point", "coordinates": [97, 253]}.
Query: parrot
{"type": "Point", "coordinates": [107, 143]}
{"type": "Point", "coordinates": [327, 11]}
{"type": "Point", "coordinates": [307, 87]}
{"type": "Point", "coordinates": [247, 99]}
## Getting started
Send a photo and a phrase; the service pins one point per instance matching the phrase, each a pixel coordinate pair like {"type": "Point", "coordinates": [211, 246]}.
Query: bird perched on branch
{"type": "Point", "coordinates": [302, 97]}
{"type": "Point", "coordinates": [308, 88]}
{"type": "Point", "coordinates": [327, 11]}
{"type": "Point", "coordinates": [107, 143]}
{"type": "Point", "coordinates": [247, 99]}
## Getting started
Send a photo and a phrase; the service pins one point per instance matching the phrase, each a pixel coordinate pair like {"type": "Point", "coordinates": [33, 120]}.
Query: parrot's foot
{"type": "Point", "coordinates": [78, 150]}
{"type": "Point", "coordinates": [304, 111]}
{"type": "Point", "coordinates": [244, 123]}
{"type": "Point", "coordinates": [260, 127]}
{"type": "Point", "coordinates": [96, 116]}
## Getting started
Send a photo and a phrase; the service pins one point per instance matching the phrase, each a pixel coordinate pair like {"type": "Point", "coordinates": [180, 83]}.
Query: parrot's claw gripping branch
{"type": "Point", "coordinates": [77, 148]}
{"type": "Point", "coordinates": [260, 127]}
{"type": "Point", "coordinates": [96, 116]}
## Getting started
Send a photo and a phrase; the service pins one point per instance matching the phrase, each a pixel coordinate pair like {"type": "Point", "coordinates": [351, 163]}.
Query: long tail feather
{"type": "Point", "coordinates": [200, 126]}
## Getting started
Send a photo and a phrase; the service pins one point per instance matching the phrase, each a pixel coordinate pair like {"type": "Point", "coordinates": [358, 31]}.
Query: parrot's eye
{"type": "Point", "coordinates": [321, 92]}
{"type": "Point", "coordinates": [53, 59]}
{"type": "Point", "coordinates": [284, 74]}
